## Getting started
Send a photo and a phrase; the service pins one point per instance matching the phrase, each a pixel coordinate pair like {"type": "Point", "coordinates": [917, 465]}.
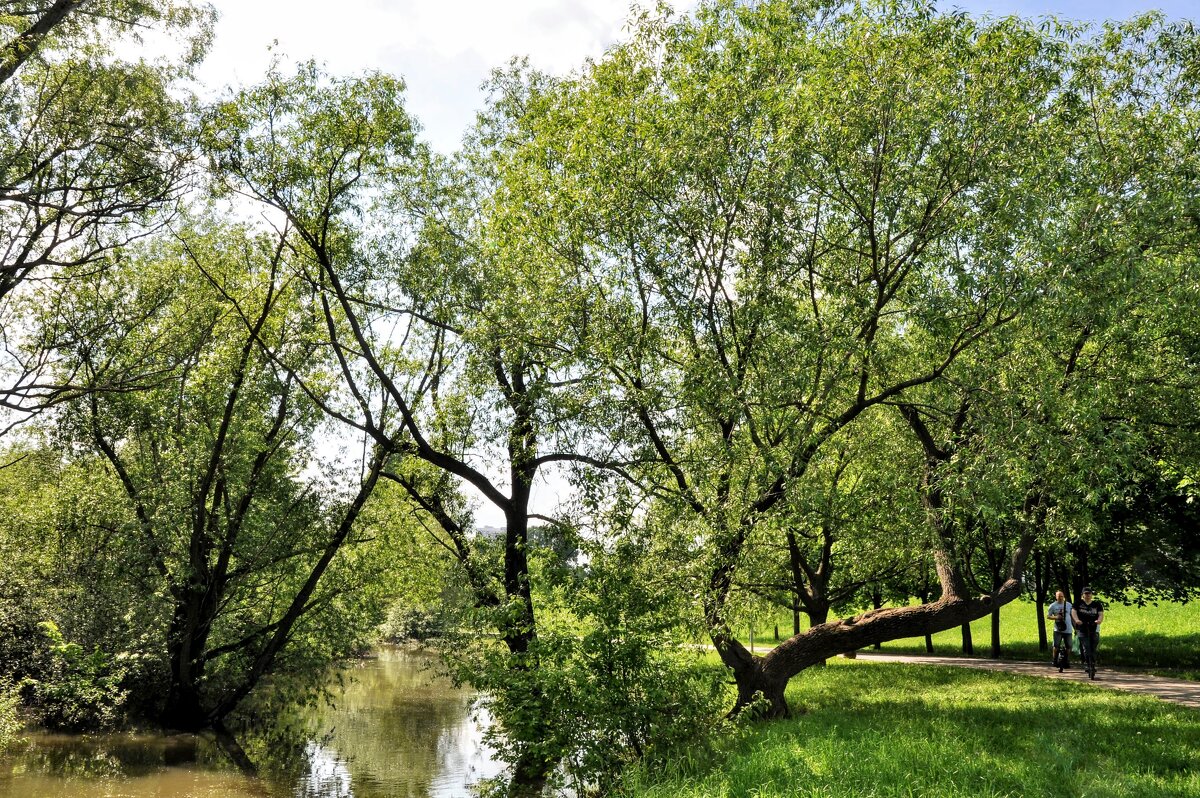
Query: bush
{"type": "Point", "coordinates": [413, 623]}
{"type": "Point", "coordinates": [611, 680]}
{"type": "Point", "coordinates": [76, 691]}
{"type": "Point", "coordinates": [10, 719]}
{"type": "Point", "coordinates": [19, 629]}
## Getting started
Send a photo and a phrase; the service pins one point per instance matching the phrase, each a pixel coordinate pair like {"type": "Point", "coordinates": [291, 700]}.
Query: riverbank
{"type": "Point", "coordinates": [396, 728]}
{"type": "Point", "coordinates": [867, 730]}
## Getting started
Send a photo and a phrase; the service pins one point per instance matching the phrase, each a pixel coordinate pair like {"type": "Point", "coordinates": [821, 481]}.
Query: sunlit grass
{"type": "Point", "coordinates": [873, 730]}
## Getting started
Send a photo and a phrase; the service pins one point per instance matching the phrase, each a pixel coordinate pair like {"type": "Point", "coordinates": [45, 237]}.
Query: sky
{"type": "Point", "coordinates": [445, 49]}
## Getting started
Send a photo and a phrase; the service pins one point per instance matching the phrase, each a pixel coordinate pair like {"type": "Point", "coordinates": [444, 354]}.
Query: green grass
{"type": "Point", "coordinates": [1163, 639]}
{"type": "Point", "coordinates": [883, 730]}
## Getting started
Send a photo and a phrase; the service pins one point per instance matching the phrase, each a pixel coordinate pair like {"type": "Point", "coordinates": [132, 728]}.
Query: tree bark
{"type": "Point", "coordinates": [14, 53]}
{"type": "Point", "coordinates": [769, 674]}
{"type": "Point", "coordinates": [995, 632]}
{"type": "Point", "coordinates": [1040, 592]}
{"type": "Point", "coordinates": [877, 603]}
{"type": "Point", "coordinates": [968, 644]}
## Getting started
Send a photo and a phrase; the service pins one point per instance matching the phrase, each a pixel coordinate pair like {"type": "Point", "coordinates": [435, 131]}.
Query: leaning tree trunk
{"type": "Point", "coordinates": [767, 676]}
{"type": "Point", "coordinates": [764, 679]}
{"type": "Point", "coordinates": [761, 681]}
{"type": "Point", "coordinates": [818, 613]}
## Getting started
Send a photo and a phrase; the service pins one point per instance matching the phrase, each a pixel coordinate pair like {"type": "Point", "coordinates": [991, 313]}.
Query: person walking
{"type": "Point", "coordinates": [1060, 613]}
{"type": "Point", "coordinates": [1087, 616]}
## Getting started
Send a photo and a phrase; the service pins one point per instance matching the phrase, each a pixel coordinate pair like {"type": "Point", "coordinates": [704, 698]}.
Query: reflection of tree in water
{"type": "Point", "coordinates": [398, 730]}
{"type": "Point", "coordinates": [110, 756]}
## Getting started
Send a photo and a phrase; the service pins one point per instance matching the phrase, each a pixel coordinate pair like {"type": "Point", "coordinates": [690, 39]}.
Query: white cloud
{"type": "Point", "coordinates": [444, 50]}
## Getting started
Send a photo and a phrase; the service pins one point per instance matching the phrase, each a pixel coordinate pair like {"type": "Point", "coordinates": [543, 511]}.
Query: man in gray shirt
{"type": "Point", "coordinates": [1060, 613]}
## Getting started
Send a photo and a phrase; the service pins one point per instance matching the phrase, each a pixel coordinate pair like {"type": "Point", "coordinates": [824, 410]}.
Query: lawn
{"type": "Point", "coordinates": [1162, 639]}
{"type": "Point", "coordinates": [872, 730]}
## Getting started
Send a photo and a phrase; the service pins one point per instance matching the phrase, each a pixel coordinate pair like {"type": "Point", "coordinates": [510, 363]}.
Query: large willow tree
{"type": "Point", "coordinates": [803, 214]}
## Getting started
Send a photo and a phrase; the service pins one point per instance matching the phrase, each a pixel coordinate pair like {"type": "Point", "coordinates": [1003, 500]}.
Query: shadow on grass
{"type": "Point", "coordinates": [894, 730]}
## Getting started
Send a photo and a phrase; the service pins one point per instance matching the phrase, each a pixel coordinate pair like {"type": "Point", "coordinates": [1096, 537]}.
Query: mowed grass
{"type": "Point", "coordinates": [1161, 639]}
{"type": "Point", "coordinates": [870, 730]}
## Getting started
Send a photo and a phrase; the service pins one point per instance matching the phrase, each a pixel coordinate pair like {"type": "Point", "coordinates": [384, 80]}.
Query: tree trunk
{"type": "Point", "coordinates": [925, 591]}
{"type": "Point", "coordinates": [995, 632]}
{"type": "Point", "coordinates": [968, 645]}
{"type": "Point", "coordinates": [233, 749]}
{"type": "Point", "coordinates": [817, 615]}
{"type": "Point", "coordinates": [186, 639]}
{"type": "Point", "coordinates": [768, 675]}
{"type": "Point", "coordinates": [1081, 575]}
{"type": "Point", "coordinates": [1040, 591]}
{"type": "Point", "coordinates": [763, 691]}
{"type": "Point", "coordinates": [877, 603]}
{"type": "Point", "coordinates": [183, 711]}
{"type": "Point", "coordinates": [530, 774]}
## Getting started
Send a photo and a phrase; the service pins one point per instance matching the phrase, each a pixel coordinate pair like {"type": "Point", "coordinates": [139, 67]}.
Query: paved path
{"type": "Point", "coordinates": [1178, 691]}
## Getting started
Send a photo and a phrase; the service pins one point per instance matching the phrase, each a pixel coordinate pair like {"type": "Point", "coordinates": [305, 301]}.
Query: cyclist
{"type": "Point", "coordinates": [1060, 613]}
{"type": "Point", "coordinates": [1087, 616]}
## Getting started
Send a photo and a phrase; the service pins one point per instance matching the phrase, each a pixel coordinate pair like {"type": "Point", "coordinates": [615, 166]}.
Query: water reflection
{"type": "Point", "coordinates": [398, 731]}
{"type": "Point", "coordinates": [120, 766]}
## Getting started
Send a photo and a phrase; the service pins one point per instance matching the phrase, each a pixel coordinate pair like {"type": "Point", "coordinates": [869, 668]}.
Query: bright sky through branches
{"type": "Point", "coordinates": [446, 49]}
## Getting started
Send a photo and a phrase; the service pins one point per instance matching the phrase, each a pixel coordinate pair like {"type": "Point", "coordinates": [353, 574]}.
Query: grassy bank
{"type": "Point", "coordinates": [876, 730]}
{"type": "Point", "coordinates": [1163, 639]}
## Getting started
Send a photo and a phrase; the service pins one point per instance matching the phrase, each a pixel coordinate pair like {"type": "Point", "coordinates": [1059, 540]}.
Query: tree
{"type": "Point", "coordinates": [457, 352]}
{"type": "Point", "coordinates": [251, 563]}
{"type": "Point", "coordinates": [93, 152]}
{"type": "Point", "coordinates": [801, 213]}
{"type": "Point", "coordinates": [838, 533]}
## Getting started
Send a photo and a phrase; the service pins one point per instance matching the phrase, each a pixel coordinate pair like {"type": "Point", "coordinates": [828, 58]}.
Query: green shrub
{"type": "Point", "coordinates": [10, 719]}
{"type": "Point", "coordinates": [75, 690]}
{"type": "Point", "coordinates": [413, 623]}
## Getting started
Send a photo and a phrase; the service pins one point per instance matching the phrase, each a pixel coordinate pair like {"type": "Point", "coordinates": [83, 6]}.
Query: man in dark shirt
{"type": "Point", "coordinates": [1087, 616]}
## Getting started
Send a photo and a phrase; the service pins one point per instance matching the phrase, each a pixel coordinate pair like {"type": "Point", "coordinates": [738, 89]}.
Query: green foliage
{"type": "Point", "coordinates": [76, 690]}
{"type": "Point", "coordinates": [93, 144]}
{"type": "Point", "coordinates": [616, 680]}
{"type": "Point", "coordinates": [405, 622]}
{"type": "Point", "coordinates": [10, 719]}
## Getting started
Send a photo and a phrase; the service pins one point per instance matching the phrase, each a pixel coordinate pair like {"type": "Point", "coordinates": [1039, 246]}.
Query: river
{"type": "Point", "coordinates": [397, 731]}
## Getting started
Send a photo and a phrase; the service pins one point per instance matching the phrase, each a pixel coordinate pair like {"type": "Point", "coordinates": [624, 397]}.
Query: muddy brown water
{"type": "Point", "coordinates": [397, 731]}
